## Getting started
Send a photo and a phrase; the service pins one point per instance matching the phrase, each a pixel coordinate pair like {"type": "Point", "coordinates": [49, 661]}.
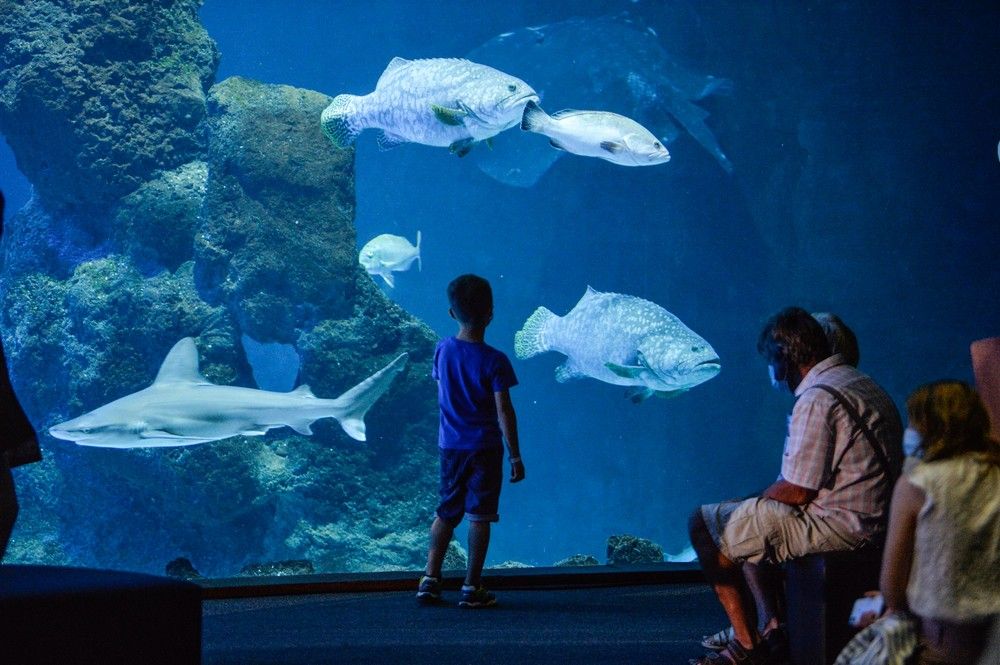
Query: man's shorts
{"type": "Point", "coordinates": [759, 530]}
{"type": "Point", "coordinates": [470, 485]}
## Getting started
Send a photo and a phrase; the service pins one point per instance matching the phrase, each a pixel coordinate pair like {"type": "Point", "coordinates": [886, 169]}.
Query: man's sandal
{"type": "Point", "coordinates": [735, 653]}
{"type": "Point", "coordinates": [719, 640]}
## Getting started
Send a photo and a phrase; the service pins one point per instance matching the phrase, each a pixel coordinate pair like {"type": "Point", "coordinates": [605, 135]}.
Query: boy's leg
{"type": "Point", "coordinates": [479, 542]}
{"type": "Point", "coordinates": [441, 533]}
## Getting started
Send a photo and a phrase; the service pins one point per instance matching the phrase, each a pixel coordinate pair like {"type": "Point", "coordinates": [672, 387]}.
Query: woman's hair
{"type": "Point", "coordinates": [793, 336]}
{"type": "Point", "coordinates": [841, 338]}
{"type": "Point", "coordinates": [951, 420]}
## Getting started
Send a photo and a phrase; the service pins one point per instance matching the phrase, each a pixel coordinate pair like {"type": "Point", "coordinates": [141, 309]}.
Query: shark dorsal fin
{"type": "Point", "coordinates": [181, 364]}
{"type": "Point", "coordinates": [303, 391]}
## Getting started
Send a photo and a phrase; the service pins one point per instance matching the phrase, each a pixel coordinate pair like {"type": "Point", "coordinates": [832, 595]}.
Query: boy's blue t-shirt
{"type": "Point", "coordinates": [468, 375]}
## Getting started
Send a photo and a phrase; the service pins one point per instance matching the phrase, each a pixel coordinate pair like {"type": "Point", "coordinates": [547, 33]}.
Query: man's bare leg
{"type": "Point", "coordinates": [763, 582]}
{"type": "Point", "coordinates": [726, 577]}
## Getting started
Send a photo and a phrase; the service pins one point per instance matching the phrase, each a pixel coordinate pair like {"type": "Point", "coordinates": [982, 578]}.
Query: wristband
{"type": "Point", "coordinates": [512, 460]}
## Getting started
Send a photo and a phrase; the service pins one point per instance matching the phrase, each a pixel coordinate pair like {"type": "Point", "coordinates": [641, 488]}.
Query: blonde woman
{"type": "Point", "coordinates": [942, 556]}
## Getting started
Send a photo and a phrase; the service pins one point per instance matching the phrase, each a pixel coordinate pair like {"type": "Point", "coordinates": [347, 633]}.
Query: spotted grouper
{"type": "Point", "coordinates": [437, 102]}
{"type": "Point", "coordinates": [622, 340]}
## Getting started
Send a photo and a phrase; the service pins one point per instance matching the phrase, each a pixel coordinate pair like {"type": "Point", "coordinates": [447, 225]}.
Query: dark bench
{"type": "Point", "coordinates": [820, 590]}
{"type": "Point", "coordinates": [76, 615]}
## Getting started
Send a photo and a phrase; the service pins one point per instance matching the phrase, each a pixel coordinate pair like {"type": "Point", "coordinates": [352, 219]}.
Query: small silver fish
{"type": "Point", "coordinates": [621, 340]}
{"type": "Point", "coordinates": [385, 254]}
{"type": "Point", "coordinates": [437, 102]}
{"type": "Point", "coordinates": [610, 136]}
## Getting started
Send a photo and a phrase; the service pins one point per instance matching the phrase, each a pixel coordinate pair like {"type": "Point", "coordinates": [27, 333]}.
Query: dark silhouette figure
{"type": "Point", "coordinates": [18, 442]}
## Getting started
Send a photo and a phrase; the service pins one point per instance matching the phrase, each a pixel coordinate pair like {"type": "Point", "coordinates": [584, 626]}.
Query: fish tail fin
{"type": "Point", "coordinates": [530, 339]}
{"type": "Point", "coordinates": [336, 121]}
{"type": "Point", "coordinates": [534, 117]}
{"type": "Point", "coordinates": [354, 404]}
{"type": "Point", "coordinates": [420, 261]}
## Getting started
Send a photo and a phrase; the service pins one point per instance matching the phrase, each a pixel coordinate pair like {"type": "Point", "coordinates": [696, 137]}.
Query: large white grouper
{"type": "Point", "coordinates": [437, 102]}
{"type": "Point", "coordinates": [622, 340]}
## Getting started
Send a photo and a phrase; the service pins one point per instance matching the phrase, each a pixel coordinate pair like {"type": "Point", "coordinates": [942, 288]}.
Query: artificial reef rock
{"type": "Point", "coordinates": [629, 549]}
{"type": "Point", "coordinates": [166, 207]}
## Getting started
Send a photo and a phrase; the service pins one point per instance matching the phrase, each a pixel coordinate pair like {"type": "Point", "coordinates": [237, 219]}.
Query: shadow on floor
{"type": "Point", "coordinates": [625, 625]}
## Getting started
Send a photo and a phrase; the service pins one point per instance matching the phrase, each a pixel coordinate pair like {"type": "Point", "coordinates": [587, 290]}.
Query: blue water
{"type": "Point", "coordinates": [866, 182]}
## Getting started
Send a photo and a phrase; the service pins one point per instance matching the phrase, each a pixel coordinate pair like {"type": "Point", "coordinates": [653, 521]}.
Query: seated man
{"type": "Point", "coordinates": [843, 452]}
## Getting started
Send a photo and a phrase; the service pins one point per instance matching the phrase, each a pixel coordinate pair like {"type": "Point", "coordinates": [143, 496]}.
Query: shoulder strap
{"type": "Point", "coordinates": [883, 461]}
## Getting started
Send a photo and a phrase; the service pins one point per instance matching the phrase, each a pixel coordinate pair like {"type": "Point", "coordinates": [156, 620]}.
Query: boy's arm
{"type": "Point", "coordinates": [508, 427]}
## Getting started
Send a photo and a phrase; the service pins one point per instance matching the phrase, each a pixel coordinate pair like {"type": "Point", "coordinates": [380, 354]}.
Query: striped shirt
{"type": "Point", "coordinates": [822, 434]}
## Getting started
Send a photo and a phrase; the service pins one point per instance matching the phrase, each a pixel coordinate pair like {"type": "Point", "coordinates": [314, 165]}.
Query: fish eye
{"type": "Point", "coordinates": [512, 87]}
{"type": "Point", "coordinates": [696, 349]}
{"type": "Point", "coordinates": [656, 144]}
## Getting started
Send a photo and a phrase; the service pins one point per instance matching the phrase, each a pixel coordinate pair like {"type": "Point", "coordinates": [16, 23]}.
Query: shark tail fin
{"type": "Point", "coordinates": [336, 121]}
{"type": "Point", "coordinates": [530, 339]}
{"type": "Point", "coordinates": [354, 404]}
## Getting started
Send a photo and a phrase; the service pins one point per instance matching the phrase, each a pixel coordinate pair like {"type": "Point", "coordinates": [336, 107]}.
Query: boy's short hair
{"type": "Point", "coordinates": [471, 299]}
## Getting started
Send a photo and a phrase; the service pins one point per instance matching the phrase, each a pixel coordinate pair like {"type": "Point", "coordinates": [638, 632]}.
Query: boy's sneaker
{"type": "Point", "coordinates": [476, 597]}
{"type": "Point", "coordinates": [429, 590]}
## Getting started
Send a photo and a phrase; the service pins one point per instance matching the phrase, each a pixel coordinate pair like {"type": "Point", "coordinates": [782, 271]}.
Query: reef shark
{"type": "Point", "coordinates": [182, 408]}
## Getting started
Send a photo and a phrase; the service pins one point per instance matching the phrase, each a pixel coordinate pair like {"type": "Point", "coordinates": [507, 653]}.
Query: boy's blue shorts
{"type": "Point", "coordinates": [470, 485]}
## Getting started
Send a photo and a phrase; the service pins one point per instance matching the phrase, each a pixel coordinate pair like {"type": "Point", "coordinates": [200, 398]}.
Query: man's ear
{"type": "Point", "coordinates": [451, 313]}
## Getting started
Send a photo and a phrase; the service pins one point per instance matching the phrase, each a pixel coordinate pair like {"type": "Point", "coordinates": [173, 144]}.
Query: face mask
{"type": "Point", "coordinates": [911, 443]}
{"type": "Point", "coordinates": [778, 384]}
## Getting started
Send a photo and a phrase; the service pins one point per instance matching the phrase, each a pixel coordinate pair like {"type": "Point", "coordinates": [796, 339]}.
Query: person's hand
{"type": "Point", "coordinates": [872, 606]}
{"type": "Point", "coordinates": [516, 470]}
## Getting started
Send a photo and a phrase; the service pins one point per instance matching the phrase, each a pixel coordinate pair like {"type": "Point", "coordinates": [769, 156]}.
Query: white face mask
{"type": "Point", "coordinates": [778, 384]}
{"type": "Point", "coordinates": [911, 443]}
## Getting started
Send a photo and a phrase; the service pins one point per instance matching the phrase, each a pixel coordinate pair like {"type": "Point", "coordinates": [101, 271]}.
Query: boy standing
{"type": "Point", "coordinates": [476, 416]}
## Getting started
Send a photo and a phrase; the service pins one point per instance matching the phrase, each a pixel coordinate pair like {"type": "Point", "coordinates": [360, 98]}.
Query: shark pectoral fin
{"type": "Point", "coordinates": [626, 371]}
{"type": "Point", "coordinates": [668, 394]}
{"type": "Point", "coordinates": [462, 147]}
{"type": "Point", "coordinates": [639, 394]}
{"type": "Point", "coordinates": [613, 147]}
{"type": "Point", "coordinates": [303, 427]}
{"type": "Point", "coordinates": [452, 117]}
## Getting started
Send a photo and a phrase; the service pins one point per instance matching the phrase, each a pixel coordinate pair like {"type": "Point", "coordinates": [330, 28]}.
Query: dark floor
{"type": "Point", "coordinates": [660, 623]}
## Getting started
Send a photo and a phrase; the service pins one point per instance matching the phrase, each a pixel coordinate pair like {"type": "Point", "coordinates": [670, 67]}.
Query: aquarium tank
{"type": "Point", "coordinates": [230, 227]}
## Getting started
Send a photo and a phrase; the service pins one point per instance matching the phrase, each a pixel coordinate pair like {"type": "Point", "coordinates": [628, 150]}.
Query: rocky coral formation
{"type": "Point", "coordinates": [578, 560]}
{"type": "Point", "coordinates": [276, 242]}
{"type": "Point", "coordinates": [114, 90]}
{"type": "Point", "coordinates": [278, 568]}
{"type": "Point", "coordinates": [157, 216]}
{"type": "Point", "coordinates": [627, 549]}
